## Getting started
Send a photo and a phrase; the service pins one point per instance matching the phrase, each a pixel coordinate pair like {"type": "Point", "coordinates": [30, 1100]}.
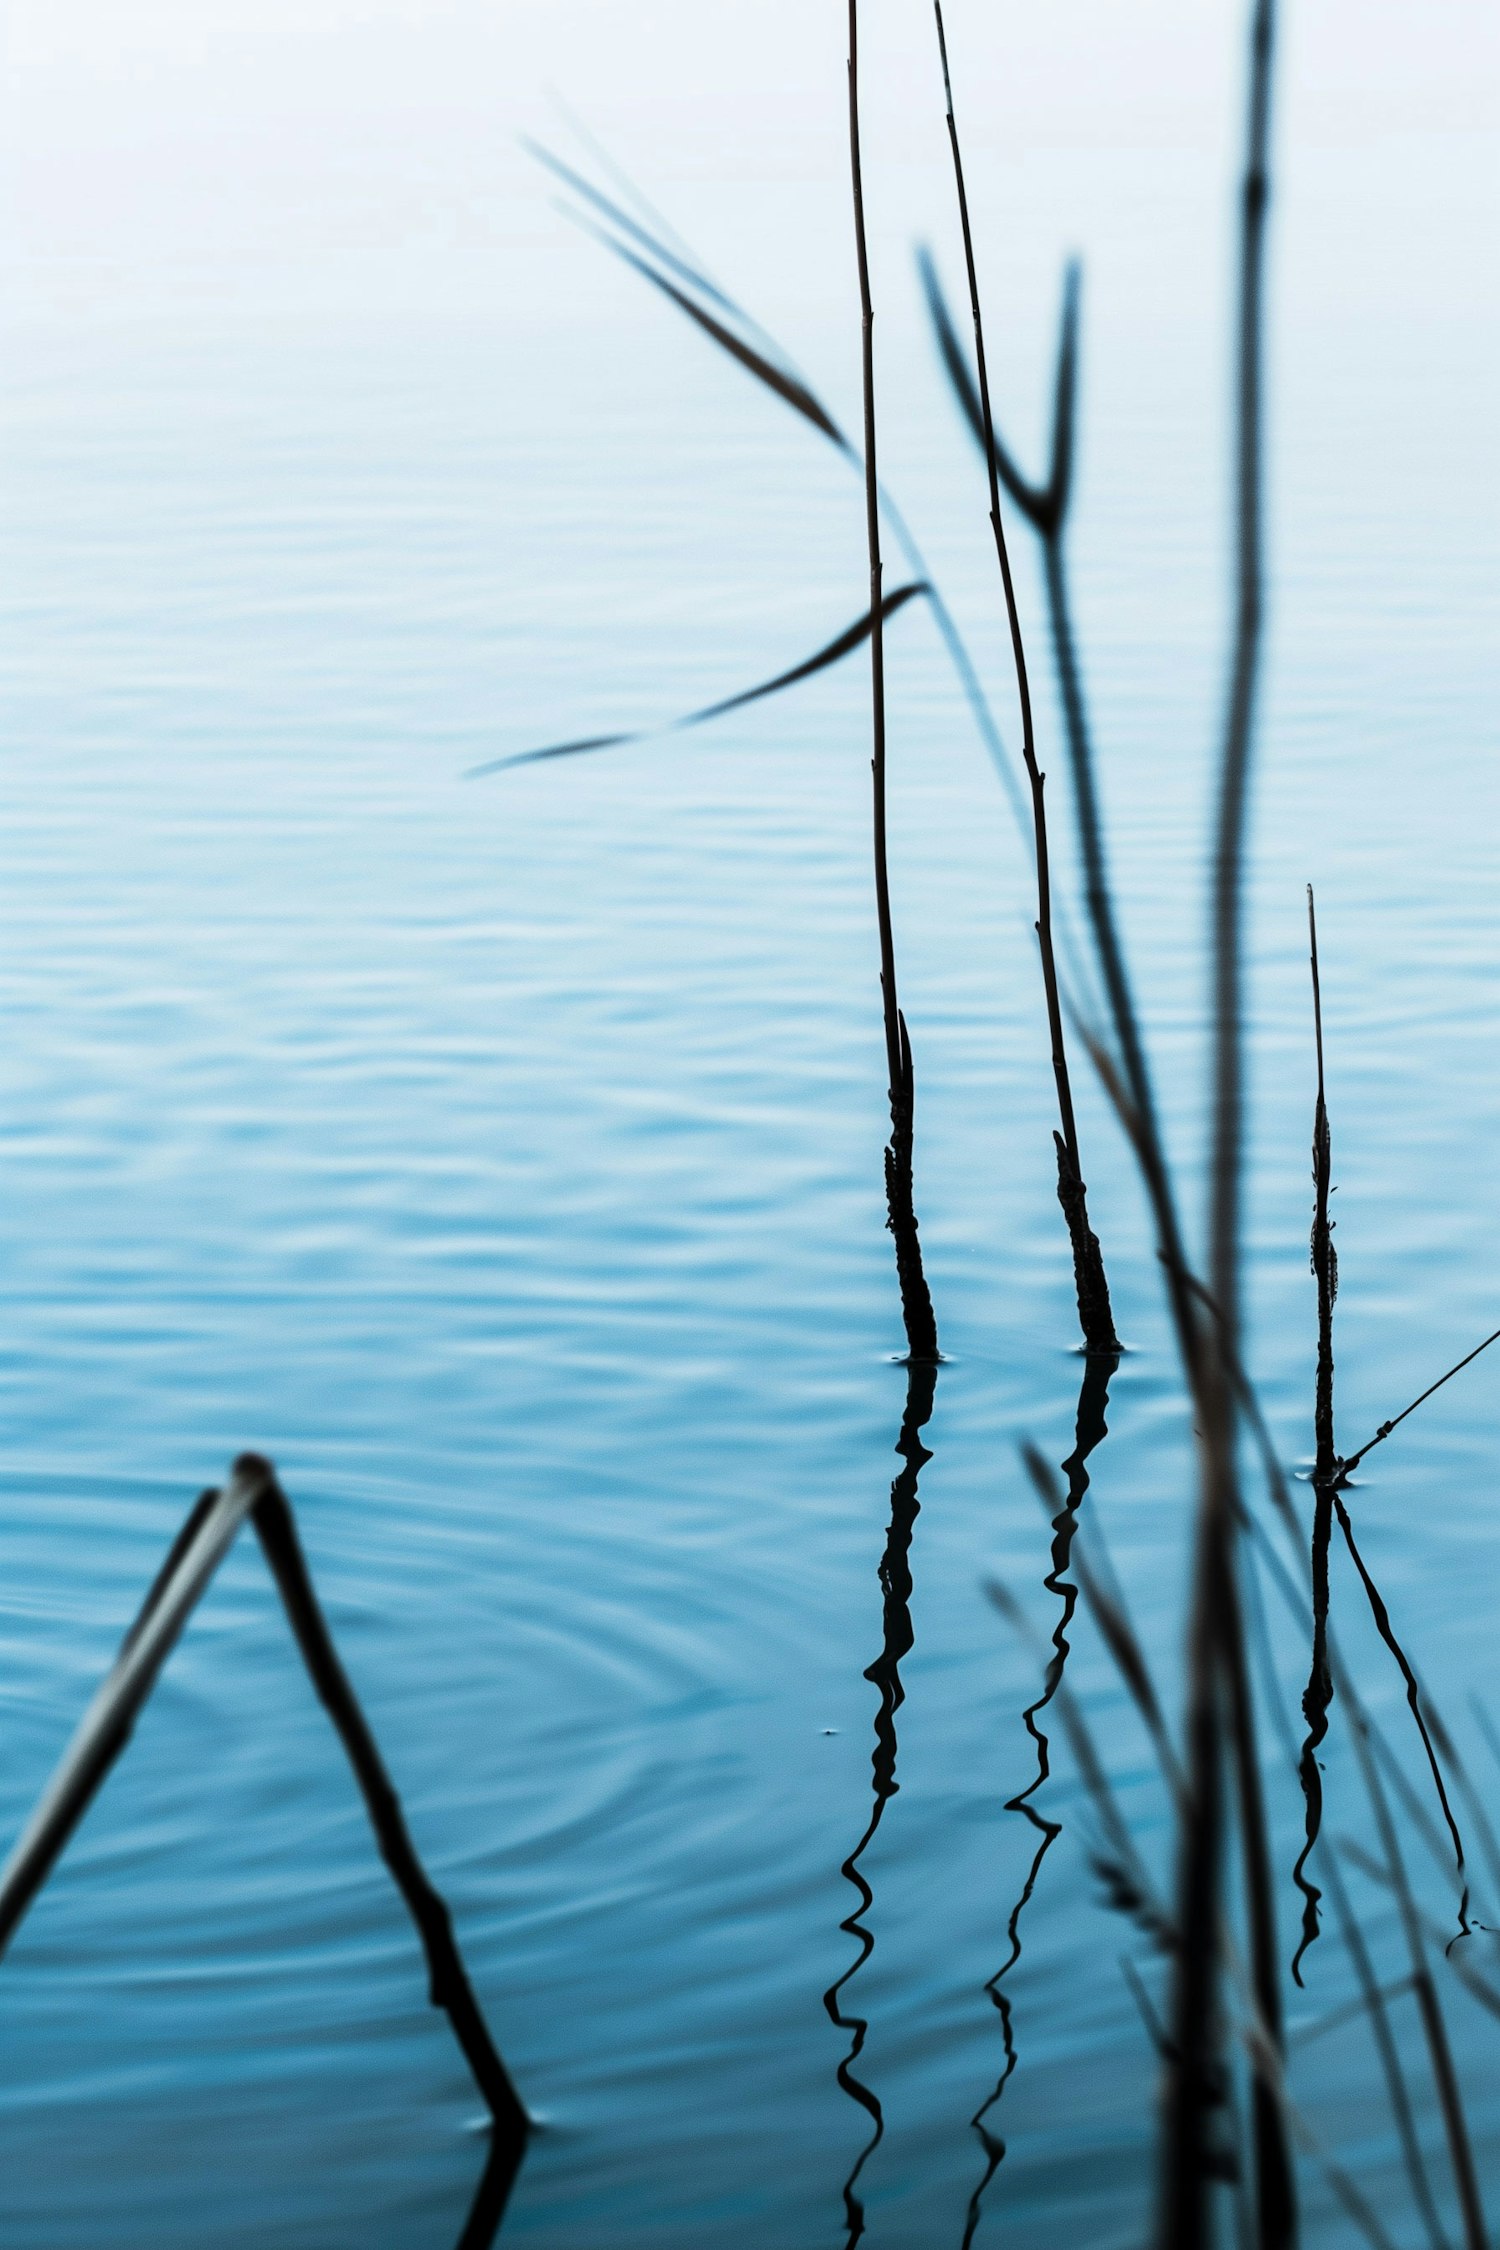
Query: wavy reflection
{"type": "Point", "coordinates": [1089, 1430]}
{"type": "Point", "coordinates": [884, 1674]}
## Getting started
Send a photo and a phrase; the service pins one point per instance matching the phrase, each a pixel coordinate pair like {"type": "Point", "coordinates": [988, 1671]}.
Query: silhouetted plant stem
{"type": "Point", "coordinates": [1318, 1694]}
{"type": "Point", "coordinates": [1095, 1316]}
{"type": "Point", "coordinates": [916, 1299]}
{"type": "Point", "coordinates": [1098, 892]}
{"type": "Point", "coordinates": [1045, 508]}
{"type": "Point", "coordinates": [1219, 1694]}
{"type": "Point", "coordinates": [449, 1985]}
{"type": "Point", "coordinates": [1385, 1429]}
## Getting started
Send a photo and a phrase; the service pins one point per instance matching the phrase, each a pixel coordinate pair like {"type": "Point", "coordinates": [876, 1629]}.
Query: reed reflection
{"type": "Point", "coordinates": [885, 1675]}
{"type": "Point", "coordinates": [1089, 1431]}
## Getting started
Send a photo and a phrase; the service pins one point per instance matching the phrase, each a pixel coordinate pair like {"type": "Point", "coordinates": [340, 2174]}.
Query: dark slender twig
{"type": "Point", "coordinates": [1318, 1694]}
{"type": "Point", "coordinates": [1095, 1316]}
{"type": "Point", "coordinates": [107, 1724]}
{"type": "Point", "coordinates": [1352, 1461]}
{"type": "Point", "coordinates": [105, 1729]}
{"type": "Point", "coordinates": [449, 1984]}
{"type": "Point", "coordinates": [916, 1299]}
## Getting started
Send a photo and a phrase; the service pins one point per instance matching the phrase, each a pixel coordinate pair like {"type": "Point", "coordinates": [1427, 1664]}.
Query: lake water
{"type": "Point", "coordinates": [503, 1157]}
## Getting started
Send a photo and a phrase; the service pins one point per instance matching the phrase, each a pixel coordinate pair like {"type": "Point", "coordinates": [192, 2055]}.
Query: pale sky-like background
{"type": "Point", "coordinates": [167, 130]}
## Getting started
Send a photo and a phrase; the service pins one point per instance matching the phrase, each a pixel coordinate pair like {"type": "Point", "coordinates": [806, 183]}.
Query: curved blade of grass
{"type": "Point", "coordinates": [1065, 397]}
{"type": "Point", "coordinates": [617, 216]}
{"type": "Point", "coordinates": [786, 386]}
{"type": "Point", "coordinates": [635, 194]}
{"type": "Point", "coordinates": [1029, 498]}
{"type": "Point", "coordinates": [832, 652]}
{"type": "Point", "coordinates": [853, 636]}
{"type": "Point", "coordinates": [952, 638]}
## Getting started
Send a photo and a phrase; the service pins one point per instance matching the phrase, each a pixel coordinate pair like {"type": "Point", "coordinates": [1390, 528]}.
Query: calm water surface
{"type": "Point", "coordinates": [503, 1158]}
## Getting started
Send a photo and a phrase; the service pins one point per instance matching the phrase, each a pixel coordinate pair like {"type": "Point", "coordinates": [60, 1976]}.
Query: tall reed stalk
{"type": "Point", "coordinates": [1220, 1718]}
{"type": "Point", "coordinates": [901, 1217]}
{"type": "Point", "coordinates": [1318, 1694]}
{"type": "Point", "coordinates": [1095, 1315]}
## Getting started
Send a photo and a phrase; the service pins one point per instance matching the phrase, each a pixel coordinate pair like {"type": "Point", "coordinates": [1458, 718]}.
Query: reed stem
{"type": "Point", "coordinates": [1318, 1694]}
{"type": "Point", "coordinates": [1219, 1700]}
{"type": "Point", "coordinates": [1095, 1315]}
{"type": "Point", "coordinates": [901, 1217]}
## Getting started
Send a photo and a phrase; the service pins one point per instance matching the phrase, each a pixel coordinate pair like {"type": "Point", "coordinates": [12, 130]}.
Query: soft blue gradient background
{"type": "Point", "coordinates": [504, 1156]}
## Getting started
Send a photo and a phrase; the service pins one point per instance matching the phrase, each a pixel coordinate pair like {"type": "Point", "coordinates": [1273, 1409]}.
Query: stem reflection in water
{"type": "Point", "coordinates": [1090, 1429]}
{"type": "Point", "coordinates": [884, 1674]}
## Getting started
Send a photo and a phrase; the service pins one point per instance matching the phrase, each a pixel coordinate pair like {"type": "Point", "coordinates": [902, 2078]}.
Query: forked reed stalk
{"type": "Point", "coordinates": [1045, 507]}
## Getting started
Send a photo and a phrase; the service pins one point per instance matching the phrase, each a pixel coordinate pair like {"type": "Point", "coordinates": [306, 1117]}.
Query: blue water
{"type": "Point", "coordinates": [504, 1158]}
